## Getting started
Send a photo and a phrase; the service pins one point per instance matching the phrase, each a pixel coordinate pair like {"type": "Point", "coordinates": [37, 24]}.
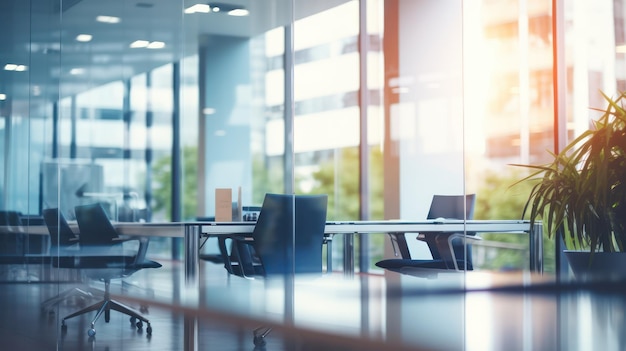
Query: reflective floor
{"type": "Point", "coordinates": [330, 314]}
{"type": "Point", "coordinates": [24, 325]}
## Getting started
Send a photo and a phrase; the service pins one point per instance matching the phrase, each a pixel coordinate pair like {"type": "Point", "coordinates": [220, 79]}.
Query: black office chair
{"type": "Point", "coordinates": [63, 242]}
{"type": "Point", "coordinates": [102, 257]}
{"type": "Point", "coordinates": [273, 251]}
{"type": "Point", "coordinates": [62, 236]}
{"type": "Point", "coordinates": [12, 241]}
{"type": "Point", "coordinates": [249, 214]}
{"type": "Point", "coordinates": [449, 250]}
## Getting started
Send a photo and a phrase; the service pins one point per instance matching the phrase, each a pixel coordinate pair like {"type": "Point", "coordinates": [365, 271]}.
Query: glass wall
{"type": "Point", "coordinates": [150, 108]}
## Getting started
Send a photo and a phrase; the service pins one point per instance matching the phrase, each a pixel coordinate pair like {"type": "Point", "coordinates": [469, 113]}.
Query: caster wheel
{"type": "Point", "coordinates": [107, 316]}
{"type": "Point", "coordinates": [133, 320]}
{"type": "Point", "coordinates": [139, 325]}
{"type": "Point", "coordinates": [91, 332]}
{"type": "Point", "coordinates": [143, 309]}
{"type": "Point", "coordinates": [149, 330]}
{"type": "Point", "coordinates": [63, 328]}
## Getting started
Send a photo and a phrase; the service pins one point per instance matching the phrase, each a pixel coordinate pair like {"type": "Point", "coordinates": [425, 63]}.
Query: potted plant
{"type": "Point", "coordinates": [581, 194]}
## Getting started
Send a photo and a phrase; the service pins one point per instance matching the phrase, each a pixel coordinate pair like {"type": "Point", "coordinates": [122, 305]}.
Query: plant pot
{"type": "Point", "coordinates": [599, 266]}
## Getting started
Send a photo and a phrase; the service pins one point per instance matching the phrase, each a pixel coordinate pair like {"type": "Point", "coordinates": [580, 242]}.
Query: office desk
{"type": "Point", "coordinates": [193, 231]}
{"type": "Point", "coordinates": [349, 228]}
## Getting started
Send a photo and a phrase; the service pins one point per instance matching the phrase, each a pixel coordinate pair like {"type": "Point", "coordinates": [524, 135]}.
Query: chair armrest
{"type": "Point", "coordinates": [466, 238]}
{"type": "Point", "coordinates": [243, 259]}
{"type": "Point", "coordinates": [445, 247]}
{"type": "Point", "coordinates": [140, 257]}
{"type": "Point", "coordinates": [328, 241]}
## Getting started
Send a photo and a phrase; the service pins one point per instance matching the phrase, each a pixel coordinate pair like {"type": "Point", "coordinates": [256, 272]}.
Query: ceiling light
{"type": "Point", "coordinates": [198, 8]}
{"type": "Point", "coordinates": [238, 12]}
{"type": "Point", "coordinates": [208, 111]}
{"type": "Point", "coordinates": [3, 96]}
{"type": "Point", "coordinates": [156, 45]}
{"type": "Point", "coordinates": [84, 38]}
{"type": "Point", "coordinates": [108, 19]}
{"type": "Point", "coordinates": [77, 71]}
{"type": "Point", "coordinates": [232, 10]}
{"type": "Point", "coordinates": [620, 49]}
{"type": "Point", "coordinates": [139, 44]}
{"type": "Point", "coordinates": [15, 67]}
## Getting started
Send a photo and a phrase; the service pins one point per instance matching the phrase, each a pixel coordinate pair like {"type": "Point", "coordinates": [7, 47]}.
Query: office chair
{"type": "Point", "coordinates": [449, 250]}
{"type": "Point", "coordinates": [249, 214]}
{"type": "Point", "coordinates": [11, 242]}
{"type": "Point", "coordinates": [101, 257]}
{"type": "Point", "coordinates": [272, 251]}
{"type": "Point", "coordinates": [62, 236]}
{"type": "Point", "coordinates": [63, 242]}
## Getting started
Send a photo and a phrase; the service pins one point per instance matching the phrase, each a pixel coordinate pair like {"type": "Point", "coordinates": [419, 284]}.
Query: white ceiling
{"type": "Point", "coordinates": [39, 35]}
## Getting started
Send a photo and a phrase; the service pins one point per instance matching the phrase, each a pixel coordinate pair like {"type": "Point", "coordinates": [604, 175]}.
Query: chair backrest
{"type": "Point", "coordinates": [12, 242]}
{"type": "Point", "coordinates": [94, 225]}
{"type": "Point", "coordinates": [452, 207]}
{"type": "Point", "coordinates": [61, 233]}
{"type": "Point", "coordinates": [12, 218]}
{"type": "Point", "coordinates": [281, 216]}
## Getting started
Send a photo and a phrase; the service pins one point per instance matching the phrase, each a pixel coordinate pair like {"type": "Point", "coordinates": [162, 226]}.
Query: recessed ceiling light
{"type": "Point", "coordinates": [208, 111]}
{"type": "Point", "coordinates": [230, 9]}
{"type": "Point", "coordinates": [198, 8]}
{"type": "Point", "coordinates": [84, 38]}
{"type": "Point", "coordinates": [238, 12]}
{"type": "Point", "coordinates": [108, 19]}
{"type": "Point", "coordinates": [15, 67]}
{"type": "Point", "coordinates": [3, 96]}
{"type": "Point", "coordinates": [156, 45]}
{"type": "Point", "coordinates": [77, 71]}
{"type": "Point", "coordinates": [139, 44]}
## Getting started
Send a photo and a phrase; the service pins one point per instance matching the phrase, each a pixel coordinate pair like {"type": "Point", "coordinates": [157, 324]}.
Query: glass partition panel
{"type": "Point", "coordinates": [508, 118]}
{"type": "Point", "coordinates": [172, 122]}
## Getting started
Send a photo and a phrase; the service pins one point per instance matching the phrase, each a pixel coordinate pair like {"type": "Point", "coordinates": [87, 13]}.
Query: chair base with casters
{"type": "Point", "coordinates": [104, 307]}
{"type": "Point", "coordinates": [101, 258]}
{"type": "Point", "coordinates": [105, 269]}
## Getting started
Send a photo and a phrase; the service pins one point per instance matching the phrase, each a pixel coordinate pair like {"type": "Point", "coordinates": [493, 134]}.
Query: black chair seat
{"type": "Point", "coordinates": [398, 264]}
{"type": "Point", "coordinates": [102, 262]}
{"type": "Point", "coordinates": [443, 257]}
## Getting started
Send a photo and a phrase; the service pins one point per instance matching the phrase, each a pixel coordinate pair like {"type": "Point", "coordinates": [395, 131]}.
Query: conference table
{"type": "Point", "coordinates": [194, 231]}
{"type": "Point", "coordinates": [351, 228]}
